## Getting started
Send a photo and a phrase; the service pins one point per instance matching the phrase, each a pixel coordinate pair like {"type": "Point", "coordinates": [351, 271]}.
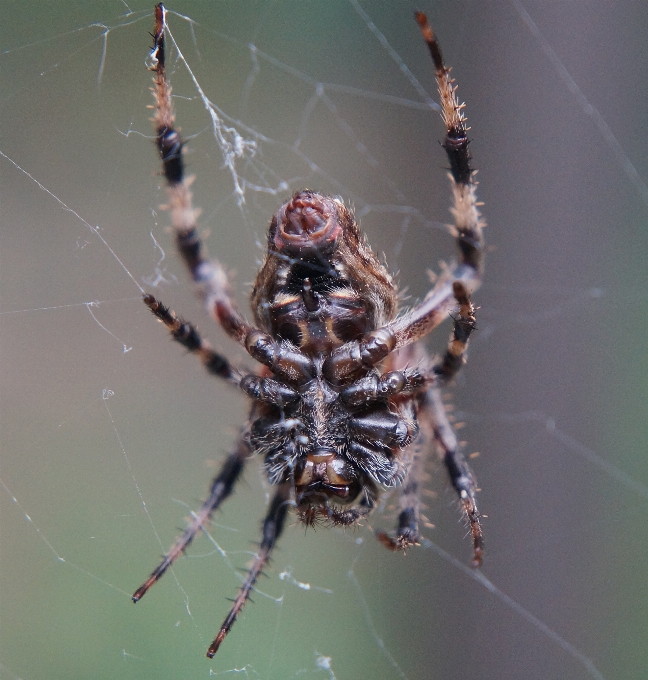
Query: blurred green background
{"type": "Point", "coordinates": [105, 452]}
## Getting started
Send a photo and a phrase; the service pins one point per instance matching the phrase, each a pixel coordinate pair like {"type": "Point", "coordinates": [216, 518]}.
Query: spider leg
{"type": "Point", "coordinates": [468, 222]}
{"type": "Point", "coordinates": [435, 427]}
{"type": "Point", "coordinates": [408, 404]}
{"type": "Point", "coordinates": [272, 528]}
{"type": "Point", "coordinates": [464, 324]}
{"type": "Point", "coordinates": [461, 476]}
{"type": "Point", "coordinates": [432, 412]}
{"type": "Point", "coordinates": [467, 230]}
{"type": "Point", "coordinates": [375, 388]}
{"type": "Point", "coordinates": [432, 417]}
{"type": "Point", "coordinates": [209, 274]}
{"type": "Point", "coordinates": [221, 488]}
{"type": "Point", "coordinates": [187, 335]}
{"type": "Point", "coordinates": [407, 529]}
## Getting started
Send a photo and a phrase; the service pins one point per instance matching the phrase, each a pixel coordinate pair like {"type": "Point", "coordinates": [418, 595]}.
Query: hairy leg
{"type": "Point", "coordinates": [221, 488]}
{"type": "Point", "coordinates": [272, 528]}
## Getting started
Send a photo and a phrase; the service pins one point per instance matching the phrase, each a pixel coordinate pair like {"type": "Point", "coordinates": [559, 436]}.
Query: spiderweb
{"type": "Point", "coordinates": [110, 435]}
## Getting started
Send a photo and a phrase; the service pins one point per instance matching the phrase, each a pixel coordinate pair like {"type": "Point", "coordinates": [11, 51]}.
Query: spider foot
{"type": "Point", "coordinates": [473, 515]}
{"type": "Point", "coordinates": [399, 543]}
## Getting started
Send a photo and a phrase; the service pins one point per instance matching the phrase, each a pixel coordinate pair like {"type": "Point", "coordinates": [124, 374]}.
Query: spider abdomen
{"type": "Point", "coordinates": [320, 285]}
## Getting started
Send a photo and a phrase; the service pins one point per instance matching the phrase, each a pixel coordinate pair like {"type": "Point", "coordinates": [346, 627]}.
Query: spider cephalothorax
{"type": "Point", "coordinates": [346, 402]}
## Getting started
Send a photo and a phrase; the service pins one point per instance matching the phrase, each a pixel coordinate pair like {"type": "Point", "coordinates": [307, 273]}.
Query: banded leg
{"type": "Point", "coordinates": [210, 275]}
{"type": "Point", "coordinates": [187, 335]}
{"type": "Point", "coordinates": [461, 476]}
{"type": "Point", "coordinates": [376, 388]}
{"type": "Point", "coordinates": [409, 499]}
{"type": "Point", "coordinates": [272, 528]}
{"type": "Point", "coordinates": [464, 324]}
{"type": "Point", "coordinates": [221, 488]}
{"type": "Point", "coordinates": [468, 222]}
{"type": "Point", "coordinates": [467, 230]}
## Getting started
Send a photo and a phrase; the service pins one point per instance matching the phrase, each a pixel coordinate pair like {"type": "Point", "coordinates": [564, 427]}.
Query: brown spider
{"type": "Point", "coordinates": [338, 413]}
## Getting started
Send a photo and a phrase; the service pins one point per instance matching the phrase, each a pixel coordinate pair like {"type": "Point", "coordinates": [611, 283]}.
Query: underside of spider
{"type": "Point", "coordinates": [346, 402]}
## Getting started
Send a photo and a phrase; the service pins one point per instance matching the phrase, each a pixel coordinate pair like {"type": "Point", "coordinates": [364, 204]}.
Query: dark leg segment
{"type": "Point", "coordinates": [376, 388]}
{"type": "Point", "coordinates": [350, 359]}
{"type": "Point", "coordinates": [272, 528]}
{"type": "Point", "coordinates": [457, 283]}
{"type": "Point", "coordinates": [468, 223]}
{"type": "Point", "coordinates": [220, 490]}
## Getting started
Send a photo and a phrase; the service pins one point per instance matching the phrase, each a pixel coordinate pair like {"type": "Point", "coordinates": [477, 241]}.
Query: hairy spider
{"type": "Point", "coordinates": [346, 402]}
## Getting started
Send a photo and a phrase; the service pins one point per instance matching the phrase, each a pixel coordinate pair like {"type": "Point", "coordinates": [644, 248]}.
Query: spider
{"type": "Point", "coordinates": [346, 402]}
